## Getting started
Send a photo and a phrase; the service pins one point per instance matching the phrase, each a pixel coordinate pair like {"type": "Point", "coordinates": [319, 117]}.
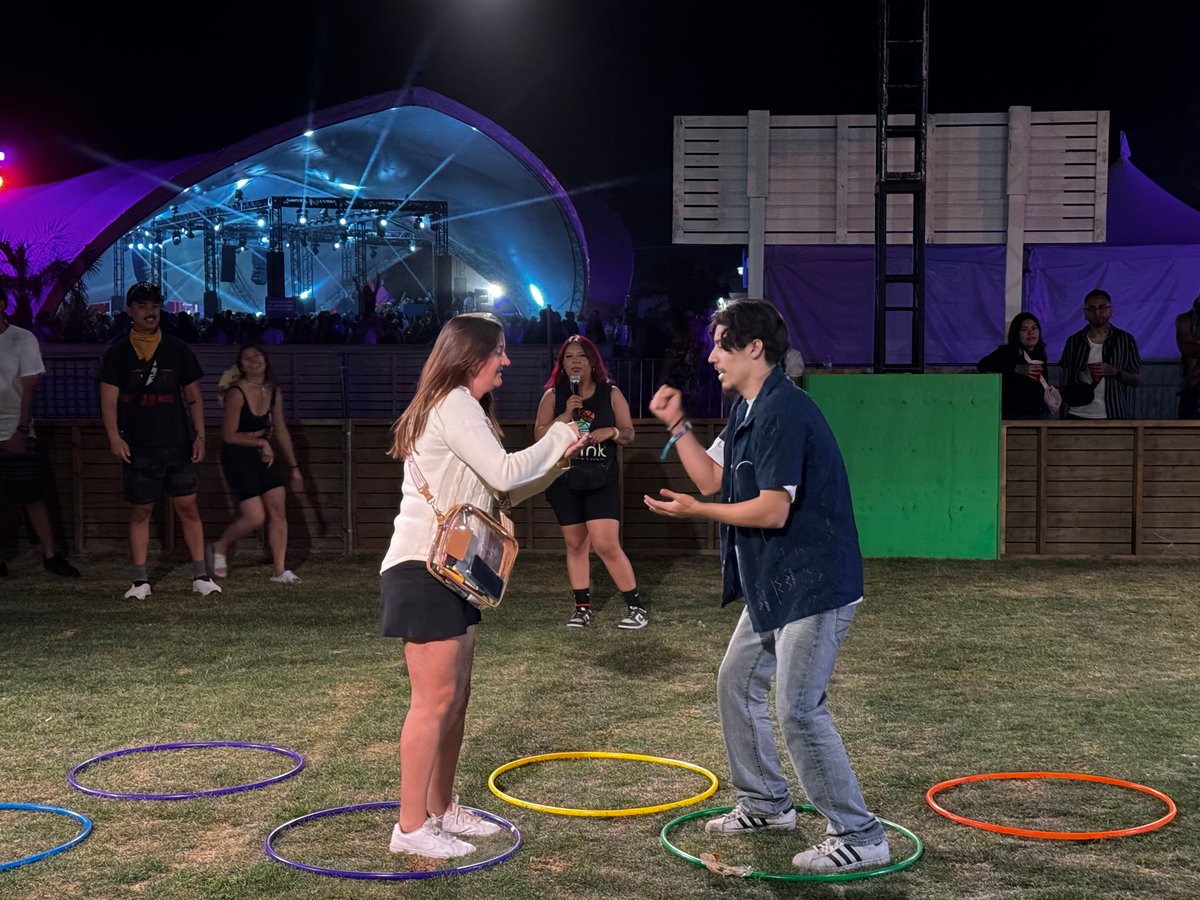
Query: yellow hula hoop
{"type": "Point", "coordinates": [602, 813]}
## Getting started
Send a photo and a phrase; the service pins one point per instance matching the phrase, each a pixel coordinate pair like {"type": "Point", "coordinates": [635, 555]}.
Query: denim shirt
{"type": "Point", "coordinates": [813, 563]}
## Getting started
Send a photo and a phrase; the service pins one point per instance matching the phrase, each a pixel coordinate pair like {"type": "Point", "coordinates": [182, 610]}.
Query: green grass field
{"type": "Point", "coordinates": [950, 669]}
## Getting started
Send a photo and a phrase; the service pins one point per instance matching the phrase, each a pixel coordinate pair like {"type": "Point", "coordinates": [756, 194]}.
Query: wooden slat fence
{"type": "Point", "coordinates": [1128, 488]}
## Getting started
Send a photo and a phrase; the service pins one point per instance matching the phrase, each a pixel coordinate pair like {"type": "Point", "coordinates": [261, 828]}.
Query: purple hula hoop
{"type": "Point", "coordinates": [389, 876]}
{"type": "Point", "coordinates": [185, 745]}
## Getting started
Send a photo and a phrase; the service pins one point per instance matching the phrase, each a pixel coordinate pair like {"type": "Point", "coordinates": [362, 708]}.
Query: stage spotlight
{"type": "Point", "coordinates": [219, 223]}
{"type": "Point", "coordinates": [412, 246]}
{"type": "Point", "coordinates": [383, 223]}
{"type": "Point", "coordinates": [420, 221]}
{"type": "Point", "coordinates": [337, 245]}
{"type": "Point", "coordinates": [316, 248]}
{"type": "Point", "coordinates": [261, 223]}
{"type": "Point", "coordinates": [342, 221]}
{"type": "Point", "coordinates": [264, 240]}
{"type": "Point", "coordinates": [536, 293]}
{"type": "Point", "coordinates": [241, 244]}
{"type": "Point", "coordinates": [177, 239]}
{"type": "Point", "coordinates": [189, 233]}
{"type": "Point", "coordinates": [303, 220]}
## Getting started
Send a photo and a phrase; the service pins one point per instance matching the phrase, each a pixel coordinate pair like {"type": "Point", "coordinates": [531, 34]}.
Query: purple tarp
{"type": "Point", "coordinates": [827, 297]}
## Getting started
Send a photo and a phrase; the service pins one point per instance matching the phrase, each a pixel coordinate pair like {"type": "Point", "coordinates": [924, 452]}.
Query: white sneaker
{"type": "Point", "coordinates": [428, 840]}
{"type": "Point", "coordinates": [835, 855]}
{"type": "Point", "coordinates": [739, 821]}
{"type": "Point", "coordinates": [139, 590]}
{"type": "Point", "coordinates": [205, 586]}
{"type": "Point", "coordinates": [287, 576]}
{"type": "Point", "coordinates": [459, 820]}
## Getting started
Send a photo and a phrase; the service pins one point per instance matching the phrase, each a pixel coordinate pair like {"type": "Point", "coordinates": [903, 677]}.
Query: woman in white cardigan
{"type": "Point", "coordinates": [450, 431]}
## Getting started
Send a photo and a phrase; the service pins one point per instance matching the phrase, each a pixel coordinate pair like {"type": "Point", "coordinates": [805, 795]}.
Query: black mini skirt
{"type": "Point", "coordinates": [416, 606]}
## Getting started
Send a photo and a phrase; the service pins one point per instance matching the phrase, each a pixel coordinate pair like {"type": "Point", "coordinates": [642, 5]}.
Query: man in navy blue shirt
{"type": "Point", "coordinates": [789, 549]}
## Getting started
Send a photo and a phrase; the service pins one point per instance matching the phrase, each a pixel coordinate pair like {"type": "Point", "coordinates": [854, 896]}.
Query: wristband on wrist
{"type": "Point", "coordinates": [676, 425]}
{"type": "Point", "coordinates": [616, 433]}
{"type": "Point", "coordinates": [687, 426]}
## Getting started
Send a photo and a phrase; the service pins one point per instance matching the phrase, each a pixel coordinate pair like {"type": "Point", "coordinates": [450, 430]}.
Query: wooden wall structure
{"type": "Point", "coordinates": [1016, 177]}
{"type": "Point", "coordinates": [352, 491]}
{"type": "Point", "coordinates": [1104, 489]}
{"type": "Point", "coordinates": [1120, 488]}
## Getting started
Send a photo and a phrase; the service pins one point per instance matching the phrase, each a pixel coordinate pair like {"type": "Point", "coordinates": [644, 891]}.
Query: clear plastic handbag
{"type": "Point", "coordinates": [472, 553]}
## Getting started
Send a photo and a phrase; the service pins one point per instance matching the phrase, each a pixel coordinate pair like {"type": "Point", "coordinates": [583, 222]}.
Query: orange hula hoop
{"type": "Point", "coordinates": [1051, 835]}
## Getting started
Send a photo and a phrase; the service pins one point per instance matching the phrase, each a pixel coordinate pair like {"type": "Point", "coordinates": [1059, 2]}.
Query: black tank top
{"type": "Point", "coordinates": [247, 421]}
{"type": "Point", "coordinates": [599, 408]}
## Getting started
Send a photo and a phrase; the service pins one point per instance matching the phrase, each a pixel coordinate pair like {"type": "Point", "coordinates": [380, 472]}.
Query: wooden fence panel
{"type": "Point", "coordinates": [1102, 489]}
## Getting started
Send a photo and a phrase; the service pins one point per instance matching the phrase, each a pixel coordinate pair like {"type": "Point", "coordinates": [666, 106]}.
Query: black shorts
{"type": "Point", "coordinates": [154, 469]}
{"type": "Point", "coordinates": [416, 606]}
{"type": "Point", "coordinates": [246, 474]}
{"type": "Point", "coordinates": [22, 478]}
{"type": "Point", "coordinates": [573, 507]}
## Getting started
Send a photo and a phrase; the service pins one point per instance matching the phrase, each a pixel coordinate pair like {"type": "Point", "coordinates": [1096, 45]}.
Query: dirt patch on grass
{"type": "Point", "coordinates": [221, 842]}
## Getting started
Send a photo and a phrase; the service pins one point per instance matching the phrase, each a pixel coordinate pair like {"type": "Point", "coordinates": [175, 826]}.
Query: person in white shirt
{"type": "Point", "coordinates": [23, 479]}
{"type": "Point", "coordinates": [450, 431]}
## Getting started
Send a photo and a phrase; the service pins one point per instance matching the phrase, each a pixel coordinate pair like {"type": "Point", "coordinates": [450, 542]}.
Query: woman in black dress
{"type": "Point", "coordinates": [1022, 363]}
{"type": "Point", "coordinates": [255, 434]}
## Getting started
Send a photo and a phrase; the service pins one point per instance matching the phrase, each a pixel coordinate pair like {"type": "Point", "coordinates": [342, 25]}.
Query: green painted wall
{"type": "Point", "coordinates": [923, 454]}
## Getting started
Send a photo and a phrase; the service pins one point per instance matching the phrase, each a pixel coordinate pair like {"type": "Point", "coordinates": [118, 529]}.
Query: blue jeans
{"type": "Point", "coordinates": [800, 656]}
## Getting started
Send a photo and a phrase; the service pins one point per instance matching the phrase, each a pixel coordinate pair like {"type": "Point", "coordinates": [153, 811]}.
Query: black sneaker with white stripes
{"type": "Point", "coordinates": [739, 821]}
{"type": "Point", "coordinates": [835, 855]}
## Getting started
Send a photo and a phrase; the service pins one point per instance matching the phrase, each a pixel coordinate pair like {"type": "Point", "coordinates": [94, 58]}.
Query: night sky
{"type": "Point", "coordinates": [589, 85]}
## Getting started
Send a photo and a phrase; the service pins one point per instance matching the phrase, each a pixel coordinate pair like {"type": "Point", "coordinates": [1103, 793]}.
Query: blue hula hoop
{"type": "Point", "coordinates": [55, 810]}
{"type": "Point", "coordinates": [185, 795]}
{"type": "Point", "coordinates": [269, 848]}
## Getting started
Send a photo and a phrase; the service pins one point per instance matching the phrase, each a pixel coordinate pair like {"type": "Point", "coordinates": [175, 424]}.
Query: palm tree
{"type": "Point", "coordinates": [25, 277]}
{"type": "Point", "coordinates": [24, 280]}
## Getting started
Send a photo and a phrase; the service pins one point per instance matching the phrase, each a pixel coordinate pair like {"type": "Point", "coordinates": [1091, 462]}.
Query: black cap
{"type": "Point", "coordinates": [143, 292]}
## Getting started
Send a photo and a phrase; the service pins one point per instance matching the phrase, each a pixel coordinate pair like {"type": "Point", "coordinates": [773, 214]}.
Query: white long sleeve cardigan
{"type": "Point", "coordinates": [464, 462]}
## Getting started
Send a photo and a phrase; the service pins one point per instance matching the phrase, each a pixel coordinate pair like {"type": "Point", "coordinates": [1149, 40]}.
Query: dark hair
{"type": "Point", "coordinates": [1097, 292]}
{"type": "Point", "coordinates": [590, 350]}
{"type": "Point", "coordinates": [1014, 334]}
{"type": "Point", "coordinates": [143, 292]}
{"type": "Point", "coordinates": [267, 374]}
{"type": "Point", "coordinates": [752, 320]}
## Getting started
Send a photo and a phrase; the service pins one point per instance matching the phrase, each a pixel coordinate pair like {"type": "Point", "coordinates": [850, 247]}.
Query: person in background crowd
{"type": "Point", "coordinates": [789, 549]}
{"type": "Point", "coordinates": [1021, 361]}
{"type": "Point", "coordinates": [1102, 357]}
{"type": "Point", "coordinates": [587, 502]}
{"type": "Point", "coordinates": [22, 476]}
{"type": "Point", "coordinates": [153, 415]}
{"type": "Point", "coordinates": [1187, 337]}
{"type": "Point", "coordinates": [254, 429]}
{"type": "Point", "coordinates": [450, 433]}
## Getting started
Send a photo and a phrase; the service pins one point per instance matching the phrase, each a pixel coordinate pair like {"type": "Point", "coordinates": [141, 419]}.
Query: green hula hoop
{"type": "Point", "coordinates": [772, 876]}
{"type": "Point", "coordinates": [603, 813]}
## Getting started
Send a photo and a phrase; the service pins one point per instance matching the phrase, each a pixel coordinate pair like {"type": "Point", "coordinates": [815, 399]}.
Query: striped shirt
{"type": "Point", "coordinates": [1120, 352]}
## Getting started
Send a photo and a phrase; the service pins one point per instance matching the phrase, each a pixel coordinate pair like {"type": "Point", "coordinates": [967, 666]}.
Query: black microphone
{"type": "Point", "coordinates": [574, 379]}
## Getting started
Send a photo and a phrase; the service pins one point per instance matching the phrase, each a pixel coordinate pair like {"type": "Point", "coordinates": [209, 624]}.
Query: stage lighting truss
{"type": "Point", "coordinates": [400, 224]}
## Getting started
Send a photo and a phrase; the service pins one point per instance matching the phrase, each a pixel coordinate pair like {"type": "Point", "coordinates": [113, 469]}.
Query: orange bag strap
{"type": "Point", "coordinates": [423, 489]}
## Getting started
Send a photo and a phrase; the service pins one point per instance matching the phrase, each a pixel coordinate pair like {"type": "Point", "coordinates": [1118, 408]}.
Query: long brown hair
{"type": "Point", "coordinates": [462, 346]}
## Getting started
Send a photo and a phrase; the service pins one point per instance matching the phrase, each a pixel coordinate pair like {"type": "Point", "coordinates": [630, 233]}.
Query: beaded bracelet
{"type": "Point", "coordinates": [687, 426]}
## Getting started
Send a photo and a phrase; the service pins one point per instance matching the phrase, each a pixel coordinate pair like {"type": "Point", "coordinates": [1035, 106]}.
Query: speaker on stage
{"type": "Point", "coordinates": [228, 263]}
{"type": "Point", "coordinates": [212, 304]}
{"type": "Point", "coordinates": [274, 273]}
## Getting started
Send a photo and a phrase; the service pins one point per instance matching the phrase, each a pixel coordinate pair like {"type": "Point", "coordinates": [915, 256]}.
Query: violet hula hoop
{"type": "Point", "coordinates": [269, 848]}
{"type": "Point", "coordinates": [72, 776]}
{"type": "Point", "coordinates": [55, 810]}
